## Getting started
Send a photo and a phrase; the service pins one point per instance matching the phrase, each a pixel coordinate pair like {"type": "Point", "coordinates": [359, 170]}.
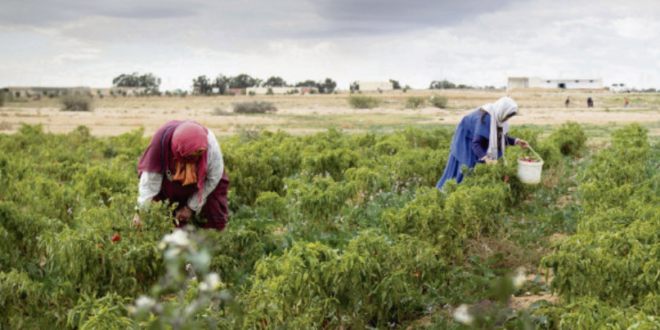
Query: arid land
{"type": "Point", "coordinates": [300, 114]}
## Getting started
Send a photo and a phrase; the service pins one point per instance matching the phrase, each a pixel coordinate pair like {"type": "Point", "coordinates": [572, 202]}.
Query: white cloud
{"type": "Point", "coordinates": [301, 40]}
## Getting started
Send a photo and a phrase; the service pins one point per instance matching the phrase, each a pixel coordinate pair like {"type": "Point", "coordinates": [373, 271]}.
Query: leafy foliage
{"type": "Point", "coordinates": [363, 102]}
{"type": "Point", "coordinates": [329, 230]}
{"type": "Point", "coordinates": [254, 107]}
{"type": "Point", "coordinates": [77, 103]}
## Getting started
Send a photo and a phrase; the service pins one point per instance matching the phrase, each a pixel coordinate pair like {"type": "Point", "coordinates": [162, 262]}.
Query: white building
{"type": "Point", "coordinates": [367, 86]}
{"type": "Point", "coordinates": [536, 82]}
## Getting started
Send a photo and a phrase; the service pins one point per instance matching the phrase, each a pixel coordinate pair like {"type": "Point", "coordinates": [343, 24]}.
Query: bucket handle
{"type": "Point", "coordinates": [537, 155]}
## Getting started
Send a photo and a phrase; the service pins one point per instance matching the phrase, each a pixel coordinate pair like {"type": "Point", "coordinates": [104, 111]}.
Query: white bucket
{"type": "Point", "coordinates": [530, 172]}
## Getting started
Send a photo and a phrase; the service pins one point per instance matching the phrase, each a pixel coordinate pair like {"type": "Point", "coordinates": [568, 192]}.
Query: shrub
{"type": "Point", "coordinates": [569, 138]}
{"type": "Point", "coordinates": [270, 92]}
{"type": "Point", "coordinates": [2, 99]}
{"type": "Point", "coordinates": [439, 101]}
{"type": "Point", "coordinates": [220, 112]}
{"type": "Point", "coordinates": [415, 102]}
{"type": "Point", "coordinates": [254, 107]}
{"type": "Point", "coordinates": [363, 102]}
{"type": "Point", "coordinates": [77, 103]}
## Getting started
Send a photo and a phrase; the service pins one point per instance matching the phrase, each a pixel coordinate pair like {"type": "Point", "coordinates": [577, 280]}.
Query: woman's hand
{"type": "Point", "coordinates": [489, 161]}
{"type": "Point", "coordinates": [137, 223]}
{"type": "Point", "coordinates": [184, 214]}
{"type": "Point", "coordinates": [522, 143]}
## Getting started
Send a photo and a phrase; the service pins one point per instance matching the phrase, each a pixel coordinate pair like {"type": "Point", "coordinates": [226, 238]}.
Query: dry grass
{"type": "Point", "coordinates": [5, 126]}
{"type": "Point", "coordinates": [512, 256]}
{"type": "Point", "coordinates": [303, 114]}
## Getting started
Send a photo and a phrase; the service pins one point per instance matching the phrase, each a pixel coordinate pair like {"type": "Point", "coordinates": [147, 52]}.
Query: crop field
{"type": "Point", "coordinates": [337, 228]}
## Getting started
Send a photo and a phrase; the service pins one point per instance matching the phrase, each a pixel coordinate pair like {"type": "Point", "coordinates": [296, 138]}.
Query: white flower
{"type": "Point", "coordinates": [211, 282]}
{"type": "Point", "coordinates": [519, 278]}
{"type": "Point", "coordinates": [461, 314]}
{"type": "Point", "coordinates": [144, 302]}
{"type": "Point", "coordinates": [178, 238]}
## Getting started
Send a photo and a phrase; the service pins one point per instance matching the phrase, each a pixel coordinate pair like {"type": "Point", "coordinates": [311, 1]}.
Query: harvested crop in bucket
{"type": "Point", "coordinates": [530, 168]}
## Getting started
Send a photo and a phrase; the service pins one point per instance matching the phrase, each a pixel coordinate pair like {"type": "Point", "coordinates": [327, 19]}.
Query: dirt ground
{"type": "Point", "coordinates": [300, 114]}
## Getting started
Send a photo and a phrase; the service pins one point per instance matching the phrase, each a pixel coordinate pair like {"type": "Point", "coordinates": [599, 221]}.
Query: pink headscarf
{"type": "Point", "coordinates": [177, 139]}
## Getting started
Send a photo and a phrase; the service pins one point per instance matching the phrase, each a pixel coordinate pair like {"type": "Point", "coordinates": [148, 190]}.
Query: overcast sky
{"type": "Point", "coordinates": [475, 42]}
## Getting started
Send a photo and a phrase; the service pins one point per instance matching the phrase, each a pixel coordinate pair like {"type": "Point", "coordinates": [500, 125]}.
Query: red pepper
{"type": "Point", "coordinates": [99, 245]}
{"type": "Point", "coordinates": [506, 178]}
{"type": "Point", "coordinates": [116, 237]}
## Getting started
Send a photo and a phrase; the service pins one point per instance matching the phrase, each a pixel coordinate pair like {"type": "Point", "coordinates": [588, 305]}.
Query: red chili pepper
{"type": "Point", "coordinates": [506, 178]}
{"type": "Point", "coordinates": [568, 147]}
{"type": "Point", "coordinates": [99, 245]}
{"type": "Point", "coordinates": [463, 225]}
{"type": "Point", "coordinates": [116, 237]}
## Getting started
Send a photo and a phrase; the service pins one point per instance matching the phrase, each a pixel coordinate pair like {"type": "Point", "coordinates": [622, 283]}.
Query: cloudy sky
{"type": "Point", "coordinates": [476, 42]}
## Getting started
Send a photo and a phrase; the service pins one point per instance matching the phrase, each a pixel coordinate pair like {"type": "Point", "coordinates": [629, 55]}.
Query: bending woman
{"type": "Point", "coordinates": [183, 164]}
{"type": "Point", "coordinates": [481, 137]}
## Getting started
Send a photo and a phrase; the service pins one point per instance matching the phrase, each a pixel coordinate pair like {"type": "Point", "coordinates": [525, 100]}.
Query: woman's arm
{"type": "Point", "coordinates": [510, 141]}
{"type": "Point", "coordinates": [149, 187]}
{"type": "Point", "coordinates": [480, 146]}
{"type": "Point", "coordinates": [214, 167]}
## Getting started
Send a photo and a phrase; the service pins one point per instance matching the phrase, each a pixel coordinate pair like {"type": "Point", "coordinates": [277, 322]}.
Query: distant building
{"type": "Point", "coordinates": [281, 90]}
{"type": "Point", "coordinates": [536, 82]}
{"type": "Point", "coordinates": [45, 91]}
{"type": "Point", "coordinates": [372, 86]}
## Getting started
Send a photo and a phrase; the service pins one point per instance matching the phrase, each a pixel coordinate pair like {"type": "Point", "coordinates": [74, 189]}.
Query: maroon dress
{"type": "Point", "coordinates": [158, 159]}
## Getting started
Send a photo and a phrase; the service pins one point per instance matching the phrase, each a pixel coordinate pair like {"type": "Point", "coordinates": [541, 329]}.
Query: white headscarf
{"type": "Point", "coordinates": [499, 111]}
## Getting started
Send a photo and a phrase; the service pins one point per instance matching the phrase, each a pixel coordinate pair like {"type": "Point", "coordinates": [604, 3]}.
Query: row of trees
{"type": "Point", "coordinates": [205, 85]}
{"type": "Point", "coordinates": [147, 81]}
{"type": "Point", "coordinates": [446, 84]}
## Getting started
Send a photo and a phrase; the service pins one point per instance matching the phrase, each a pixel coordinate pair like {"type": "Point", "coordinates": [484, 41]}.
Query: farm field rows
{"type": "Point", "coordinates": [333, 230]}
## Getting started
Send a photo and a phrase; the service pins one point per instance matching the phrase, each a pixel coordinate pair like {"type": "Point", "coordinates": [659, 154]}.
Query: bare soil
{"type": "Point", "coordinates": [301, 114]}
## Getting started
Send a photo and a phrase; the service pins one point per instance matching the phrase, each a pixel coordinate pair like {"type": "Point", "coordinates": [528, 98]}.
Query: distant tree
{"type": "Point", "coordinates": [202, 85]}
{"type": "Point", "coordinates": [148, 81]}
{"type": "Point", "coordinates": [327, 86]}
{"type": "Point", "coordinates": [221, 82]}
{"type": "Point", "coordinates": [442, 84]}
{"type": "Point", "coordinates": [395, 84]}
{"type": "Point", "coordinates": [355, 86]}
{"type": "Point", "coordinates": [243, 81]}
{"type": "Point", "coordinates": [308, 83]}
{"type": "Point", "coordinates": [274, 82]}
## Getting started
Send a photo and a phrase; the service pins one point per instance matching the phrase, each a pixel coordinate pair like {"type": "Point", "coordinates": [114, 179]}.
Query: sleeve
{"type": "Point", "coordinates": [215, 167]}
{"type": "Point", "coordinates": [483, 129]}
{"type": "Point", "coordinates": [510, 141]}
{"type": "Point", "coordinates": [480, 146]}
{"type": "Point", "coordinates": [149, 187]}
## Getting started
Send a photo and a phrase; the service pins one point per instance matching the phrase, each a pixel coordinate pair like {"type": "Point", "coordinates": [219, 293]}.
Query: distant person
{"type": "Point", "coordinates": [481, 137]}
{"type": "Point", "coordinates": [568, 101]}
{"type": "Point", "coordinates": [183, 164]}
{"type": "Point", "coordinates": [590, 103]}
{"type": "Point", "coordinates": [625, 102]}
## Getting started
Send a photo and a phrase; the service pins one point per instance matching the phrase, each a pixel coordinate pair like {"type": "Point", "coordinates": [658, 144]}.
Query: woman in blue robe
{"type": "Point", "coordinates": [481, 137]}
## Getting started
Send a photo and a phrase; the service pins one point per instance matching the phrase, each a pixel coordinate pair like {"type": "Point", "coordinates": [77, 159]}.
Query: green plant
{"type": "Point", "coordinates": [254, 107]}
{"type": "Point", "coordinates": [438, 101]}
{"type": "Point", "coordinates": [569, 138]}
{"type": "Point", "coordinates": [363, 102]}
{"type": "Point", "coordinates": [415, 102]}
{"type": "Point", "coordinates": [77, 103]}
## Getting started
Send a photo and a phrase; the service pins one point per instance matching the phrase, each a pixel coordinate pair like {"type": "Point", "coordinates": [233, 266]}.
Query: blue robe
{"type": "Point", "coordinates": [461, 152]}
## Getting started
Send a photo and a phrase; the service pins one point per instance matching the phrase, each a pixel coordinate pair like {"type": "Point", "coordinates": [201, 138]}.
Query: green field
{"type": "Point", "coordinates": [335, 231]}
